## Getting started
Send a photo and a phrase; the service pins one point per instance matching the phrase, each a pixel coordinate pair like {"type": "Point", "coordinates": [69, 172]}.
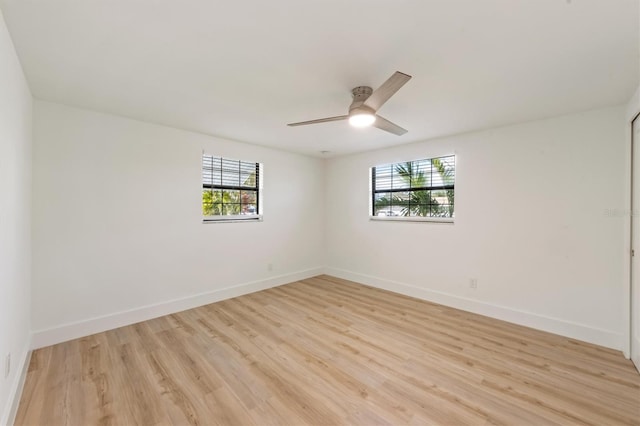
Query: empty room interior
{"type": "Point", "coordinates": [414, 212]}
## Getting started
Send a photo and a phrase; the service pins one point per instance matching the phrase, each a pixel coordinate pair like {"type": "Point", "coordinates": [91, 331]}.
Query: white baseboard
{"type": "Point", "coordinates": [90, 326]}
{"type": "Point", "coordinates": [11, 409]}
{"type": "Point", "coordinates": [70, 331]}
{"type": "Point", "coordinates": [570, 329]}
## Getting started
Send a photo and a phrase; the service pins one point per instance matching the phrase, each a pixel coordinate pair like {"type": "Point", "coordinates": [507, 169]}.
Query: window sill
{"type": "Point", "coordinates": [412, 219]}
{"type": "Point", "coordinates": [231, 219]}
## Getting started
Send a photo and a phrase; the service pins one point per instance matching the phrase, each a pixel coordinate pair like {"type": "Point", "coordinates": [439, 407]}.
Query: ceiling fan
{"type": "Point", "coordinates": [366, 103]}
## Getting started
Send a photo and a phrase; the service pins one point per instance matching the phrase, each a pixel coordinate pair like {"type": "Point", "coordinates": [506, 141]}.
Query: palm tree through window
{"type": "Point", "coordinates": [420, 188]}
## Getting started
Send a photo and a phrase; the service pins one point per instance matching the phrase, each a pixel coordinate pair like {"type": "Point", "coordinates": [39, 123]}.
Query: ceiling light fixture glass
{"type": "Point", "coordinates": [362, 119]}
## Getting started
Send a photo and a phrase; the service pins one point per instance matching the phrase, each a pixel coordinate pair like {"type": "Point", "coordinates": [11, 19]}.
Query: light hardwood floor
{"type": "Point", "coordinates": [326, 351]}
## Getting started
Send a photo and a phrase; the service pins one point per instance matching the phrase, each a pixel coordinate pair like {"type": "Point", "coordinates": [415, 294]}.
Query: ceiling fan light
{"type": "Point", "coordinates": [362, 119]}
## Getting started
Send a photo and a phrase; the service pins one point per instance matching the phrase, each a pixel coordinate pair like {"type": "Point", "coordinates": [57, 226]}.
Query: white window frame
{"type": "Point", "coordinates": [228, 218]}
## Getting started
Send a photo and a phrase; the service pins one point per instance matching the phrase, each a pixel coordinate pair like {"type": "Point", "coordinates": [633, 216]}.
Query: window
{"type": "Point", "coordinates": [414, 189]}
{"type": "Point", "coordinates": [230, 189]}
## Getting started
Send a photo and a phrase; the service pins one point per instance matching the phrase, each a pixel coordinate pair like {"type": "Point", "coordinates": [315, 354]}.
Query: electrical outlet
{"type": "Point", "coordinates": [473, 283]}
{"type": "Point", "coordinates": [270, 267]}
{"type": "Point", "coordinates": [7, 365]}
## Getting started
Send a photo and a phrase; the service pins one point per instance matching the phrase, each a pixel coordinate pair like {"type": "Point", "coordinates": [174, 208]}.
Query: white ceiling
{"type": "Point", "coordinates": [243, 69]}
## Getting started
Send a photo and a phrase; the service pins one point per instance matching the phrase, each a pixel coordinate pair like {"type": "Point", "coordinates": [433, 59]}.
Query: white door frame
{"type": "Point", "coordinates": [632, 112]}
{"type": "Point", "coordinates": [633, 170]}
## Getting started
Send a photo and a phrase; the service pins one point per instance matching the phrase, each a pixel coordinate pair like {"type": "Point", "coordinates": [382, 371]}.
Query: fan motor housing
{"type": "Point", "coordinates": [360, 94]}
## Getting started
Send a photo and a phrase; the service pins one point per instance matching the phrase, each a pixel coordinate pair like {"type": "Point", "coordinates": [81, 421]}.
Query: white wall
{"type": "Point", "coordinates": [118, 236]}
{"type": "Point", "coordinates": [117, 226]}
{"type": "Point", "coordinates": [15, 200]}
{"type": "Point", "coordinates": [532, 224]}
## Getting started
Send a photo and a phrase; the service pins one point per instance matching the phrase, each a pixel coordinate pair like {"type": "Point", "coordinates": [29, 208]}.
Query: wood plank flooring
{"type": "Point", "coordinates": [325, 351]}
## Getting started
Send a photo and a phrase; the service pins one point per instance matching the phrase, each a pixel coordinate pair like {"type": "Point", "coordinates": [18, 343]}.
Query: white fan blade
{"type": "Point", "coordinates": [320, 120]}
{"type": "Point", "coordinates": [388, 89]}
{"type": "Point", "coordinates": [386, 125]}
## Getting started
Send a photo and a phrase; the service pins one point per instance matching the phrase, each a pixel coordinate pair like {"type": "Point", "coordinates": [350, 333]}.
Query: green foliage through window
{"type": "Point", "coordinates": [230, 187]}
